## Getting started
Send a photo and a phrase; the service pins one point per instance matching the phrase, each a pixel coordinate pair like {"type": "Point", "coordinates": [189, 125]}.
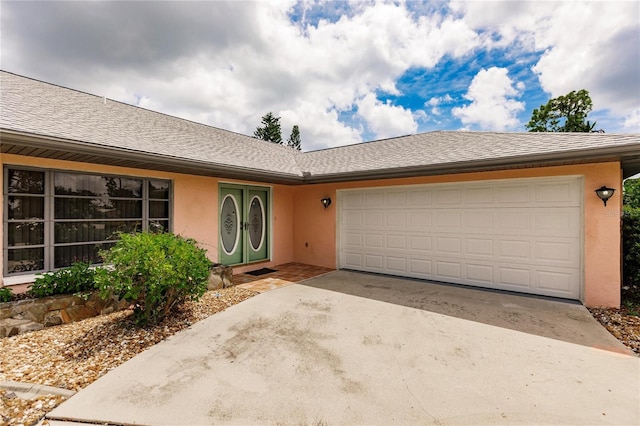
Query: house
{"type": "Point", "coordinates": [509, 211]}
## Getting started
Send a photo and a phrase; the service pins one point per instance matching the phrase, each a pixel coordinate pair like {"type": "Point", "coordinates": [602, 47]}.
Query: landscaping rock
{"type": "Point", "coordinates": [220, 276]}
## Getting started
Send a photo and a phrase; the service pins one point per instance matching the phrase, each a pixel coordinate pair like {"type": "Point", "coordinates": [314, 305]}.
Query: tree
{"type": "Point", "coordinates": [566, 113]}
{"type": "Point", "coordinates": [271, 130]}
{"type": "Point", "coordinates": [294, 140]}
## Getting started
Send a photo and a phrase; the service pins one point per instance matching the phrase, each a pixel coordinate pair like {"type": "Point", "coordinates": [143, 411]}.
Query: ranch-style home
{"type": "Point", "coordinates": [508, 211]}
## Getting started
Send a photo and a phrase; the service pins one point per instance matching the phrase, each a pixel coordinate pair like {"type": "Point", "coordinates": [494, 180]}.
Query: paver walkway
{"type": "Point", "coordinates": [284, 275]}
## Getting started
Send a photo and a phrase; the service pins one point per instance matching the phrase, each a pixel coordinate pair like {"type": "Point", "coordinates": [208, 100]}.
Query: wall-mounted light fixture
{"type": "Point", "coordinates": [605, 193]}
{"type": "Point", "coordinates": [326, 202]}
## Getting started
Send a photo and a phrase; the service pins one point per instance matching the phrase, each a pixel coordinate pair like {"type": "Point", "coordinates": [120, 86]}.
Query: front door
{"type": "Point", "coordinates": [244, 224]}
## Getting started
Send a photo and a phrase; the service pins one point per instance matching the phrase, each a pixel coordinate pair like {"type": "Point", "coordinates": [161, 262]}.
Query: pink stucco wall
{"type": "Point", "coordinates": [303, 231]}
{"type": "Point", "coordinates": [315, 228]}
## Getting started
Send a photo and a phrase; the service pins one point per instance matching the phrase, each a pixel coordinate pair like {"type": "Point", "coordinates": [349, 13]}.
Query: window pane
{"type": "Point", "coordinates": [97, 208]}
{"type": "Point", "coordinates": [97, 186]}
{"type": "Point", "coordinates": [26, 182]}
{"type": "Point", "coordinates": [158, 209]}
{"type": "Point", "coordinates": [25, 233]}
{"type": "Point", "coordinates": [75, 232]}
{"type": "Point", "coordinates": [67, 255]}
{"type": "Point", "coordinates": [25, 207]}
{"type": "Point", "coordinates": [159, 189]}
{"type": "Point", "coordinates": [159, 226]}
{"type": "Point", "coordinates": [23, 260]}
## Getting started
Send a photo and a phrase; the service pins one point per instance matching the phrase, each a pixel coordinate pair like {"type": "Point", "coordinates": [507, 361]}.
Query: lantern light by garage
{"type": "Point", "coordinates": [604, 193]}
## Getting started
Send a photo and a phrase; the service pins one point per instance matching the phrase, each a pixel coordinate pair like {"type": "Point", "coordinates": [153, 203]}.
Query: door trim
{"type": "Point", "coordinates": [244, 239]}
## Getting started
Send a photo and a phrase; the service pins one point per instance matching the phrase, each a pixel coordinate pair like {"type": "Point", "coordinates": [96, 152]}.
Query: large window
{"type": "Point", "coordinates": [55, 218]}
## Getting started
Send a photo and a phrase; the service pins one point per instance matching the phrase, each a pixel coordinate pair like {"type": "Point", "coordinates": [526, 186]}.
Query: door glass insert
{"type": "Point", "coordinates": [230, 226]}
{"type": "Point", "coordinates": [256, 223]}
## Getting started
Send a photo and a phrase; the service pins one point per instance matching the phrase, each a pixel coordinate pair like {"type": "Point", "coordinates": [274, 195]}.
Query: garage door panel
{"type": "Point", "coordinates": [353, 219]}
{"type": "Point", "coordinates": [352, 260]}
{"type": "Point", "coordinates": [374, 199]}
{"type": "Point", "coordinates": [448, 245]}
{"type": "Point", "coordinates": [420, 243]}
{"type": "Point", "coordinates": [479, 247]}
{"type": "Point", "coordinates": [374, 261]}
{"type": "Point", "coordinates": [558, 282]}
{"type": "Point", "coordinates": [448, 219]}
{"type": "Point", "coordinates": [396, 264]}
{"type": "Point", "coordinates": [397, 198]}
{"type": "Point", "coordinates": [514, 250]}
{"type": "Point", "coordinates": [513, 235]}
{"type": "Point", "coordinates": [421, 268]}
{"type": "Point", "coordinates": [558, 194]}
{"type": "Point", "coordinates": [559, 253]}
{"type": "Point", "coordinates": [480, 273]}
{"type": "Point", "coordinates": [557, 222]}
{"type": "Point", "coordinates": [374, 241]}
{"type": "Point", "coordinates": [420, 220]}
{"type": "Point", "coordinates": [447, 271]}
{"type": "Point", "coordinates": [397, 242]}
{"type": "Point", "coordinates": [479, 221]}
{"type": "Point", "coordinates": [352, 239]}
{"type": "Point", "coordinates": [397, 220]}
{"type": "Point", "coordinates": [482, 195]}
{"type": "Point", "coordinates": [420, 197]}
{"type": "Point", "coordinates": [448, 197]}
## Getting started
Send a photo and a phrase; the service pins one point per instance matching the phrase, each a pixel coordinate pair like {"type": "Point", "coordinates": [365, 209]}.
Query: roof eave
{"type": "Point", "coordinates": [627, 155]}
{"type": "Point", "coordinates": [66, 149]}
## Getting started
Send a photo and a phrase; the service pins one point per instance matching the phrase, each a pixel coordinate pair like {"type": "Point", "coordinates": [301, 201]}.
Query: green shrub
{"type": "Point", "coordinates": [154, 272]}
{"type": "Point", "coordinates": [631, 255]}
{"type": "Point", "coordinates": [77, 278]}
{"type": "Point", "coordinates": [6, 295]}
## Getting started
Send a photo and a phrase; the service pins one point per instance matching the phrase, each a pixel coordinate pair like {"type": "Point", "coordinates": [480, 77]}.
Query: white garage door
{"type": "Point", "coordinates": [521, 235]}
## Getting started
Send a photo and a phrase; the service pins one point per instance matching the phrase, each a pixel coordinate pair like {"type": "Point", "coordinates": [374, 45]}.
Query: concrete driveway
{"type": "Point", "coordinates": [352, 348]}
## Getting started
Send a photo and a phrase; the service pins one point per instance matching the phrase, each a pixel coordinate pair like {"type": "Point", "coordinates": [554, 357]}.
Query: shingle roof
{"type": "Point", "coordinates": [42, 119]}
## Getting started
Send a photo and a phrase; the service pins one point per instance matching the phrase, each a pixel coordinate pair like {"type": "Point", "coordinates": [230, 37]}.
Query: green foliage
{"type": "Point", "coordinates": [271, 130]}
{"type": "Point", "coordinates": [566, 113]}
{"type": "Point", "coordinates": [631, 245]}
{"type": "Point", "coordinates": [294, 140]}
{"type": "Point", "coordinates": [154, 272]}
{"type": "Point", "coordinates": [6, 295]}
{"type": "Point", "coordinates": [77, 278]}
{"type": "Point", "coordinates": [631, 256]}
{"type": "Point", "coordinates": [631, 193]}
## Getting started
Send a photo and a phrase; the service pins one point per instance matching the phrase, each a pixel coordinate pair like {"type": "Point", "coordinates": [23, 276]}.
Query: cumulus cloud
{"type": "Point", "coordinates": [314, 63]}
{"type": "Point", "coordinates": [384, 119]}
{"type": "Point", "coordinates": [492, 105]}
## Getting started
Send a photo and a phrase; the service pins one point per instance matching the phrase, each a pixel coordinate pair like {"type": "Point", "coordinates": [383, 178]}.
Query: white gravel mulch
{"type": "Point", "coordinates": [72, 356]}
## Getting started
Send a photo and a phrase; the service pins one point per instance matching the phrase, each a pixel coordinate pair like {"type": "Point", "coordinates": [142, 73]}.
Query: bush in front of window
{"type": "Point", "coordinates": [154, 272]}
{"type": "Point", "coordinates": [77, 278]}
{"type": "Point", "coordinates": [6, 295]}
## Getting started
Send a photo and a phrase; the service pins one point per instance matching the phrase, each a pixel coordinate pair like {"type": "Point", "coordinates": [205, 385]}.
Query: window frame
{"type": "Point", "coordinates": [49, 245]}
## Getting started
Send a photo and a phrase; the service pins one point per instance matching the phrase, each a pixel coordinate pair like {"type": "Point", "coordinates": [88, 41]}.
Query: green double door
{"type": "Point", "coordinates": [244, 224]}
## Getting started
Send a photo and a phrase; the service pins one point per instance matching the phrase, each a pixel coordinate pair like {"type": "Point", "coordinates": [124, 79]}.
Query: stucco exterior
{"type": "Point", "coordinates": [315, 229]}
{"type": "Point", "coordinates": [303, 231]}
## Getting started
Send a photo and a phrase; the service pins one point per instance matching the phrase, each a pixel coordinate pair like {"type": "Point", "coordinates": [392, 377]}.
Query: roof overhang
{"type": "Point", "coordinates": [18, 143]}
{"type": "Point", "coordinates": [69, 150]}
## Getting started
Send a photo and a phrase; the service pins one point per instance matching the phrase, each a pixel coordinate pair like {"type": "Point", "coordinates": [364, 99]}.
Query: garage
{"type": "Point", "coordinates": [520, 235]}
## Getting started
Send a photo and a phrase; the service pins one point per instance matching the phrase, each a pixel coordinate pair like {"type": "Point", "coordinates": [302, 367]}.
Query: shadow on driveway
{"type": "Point", "coordinates": [564, 320]}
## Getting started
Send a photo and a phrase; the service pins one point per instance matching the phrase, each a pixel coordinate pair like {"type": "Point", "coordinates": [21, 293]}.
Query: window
{"type": "Point", "coordinates": [55, 218]}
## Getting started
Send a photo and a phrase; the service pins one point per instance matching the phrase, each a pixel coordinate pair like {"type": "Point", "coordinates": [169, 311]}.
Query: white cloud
{"type": "Point", "coordinates": [384, 119]}
{"type": "Point", "coordinates": [228, 63]}
{"type": "Point", "coordinates": [492, 106]}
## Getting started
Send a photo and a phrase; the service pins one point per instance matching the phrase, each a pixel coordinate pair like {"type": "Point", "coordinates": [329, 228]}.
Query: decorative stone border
{"type": "Point", "coordinates": [22, 316]}
{"type": "Point", "coordinates": [34, 314]}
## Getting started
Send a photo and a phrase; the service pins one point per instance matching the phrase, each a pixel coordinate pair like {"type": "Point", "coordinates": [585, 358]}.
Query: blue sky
{"type": "Point", "coordinates": [345, 72]}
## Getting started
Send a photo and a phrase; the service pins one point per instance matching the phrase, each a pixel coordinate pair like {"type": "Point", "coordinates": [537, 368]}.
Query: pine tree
{"type": "Point", "coordinates": [271, 130]}
{"type": "Point", "coordinates": [294, 140]}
